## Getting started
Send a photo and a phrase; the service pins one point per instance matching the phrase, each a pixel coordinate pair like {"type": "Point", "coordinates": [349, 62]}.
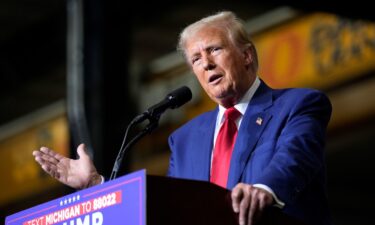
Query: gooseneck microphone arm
{"type": "Point", "coordinates": [173, 100]}
{"type": "Point", "coordinates": [148, 129]}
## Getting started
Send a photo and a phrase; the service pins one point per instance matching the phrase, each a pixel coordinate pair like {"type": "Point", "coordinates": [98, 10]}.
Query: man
{"type": "Point", "coordinates": [266, 145]}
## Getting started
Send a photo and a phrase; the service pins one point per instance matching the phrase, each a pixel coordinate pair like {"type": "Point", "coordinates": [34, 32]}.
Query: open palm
{"type": "Point", "coordinates": [76, 173]}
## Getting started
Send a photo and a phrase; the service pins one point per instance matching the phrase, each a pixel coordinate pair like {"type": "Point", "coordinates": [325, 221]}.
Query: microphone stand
{"type": "Point", "coordinates": [173, 100]}
{"type": "Point", "coordinates": [154, 122]}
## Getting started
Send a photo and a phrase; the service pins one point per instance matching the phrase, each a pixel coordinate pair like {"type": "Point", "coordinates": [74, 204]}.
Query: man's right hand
{"type": "Point", "coordinates": [76, 173]}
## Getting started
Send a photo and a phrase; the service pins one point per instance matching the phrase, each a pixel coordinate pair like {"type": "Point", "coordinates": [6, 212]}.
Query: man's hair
{"type": "Point", "coordinates": [230, 24]}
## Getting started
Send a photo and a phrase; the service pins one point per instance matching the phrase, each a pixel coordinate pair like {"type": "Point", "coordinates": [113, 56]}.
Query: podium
{"type": "Point", "coordinates": [138, 199]}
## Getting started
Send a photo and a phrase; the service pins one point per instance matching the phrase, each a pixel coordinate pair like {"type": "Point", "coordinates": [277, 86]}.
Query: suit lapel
{"type": "Point", "coordinates": [203, 147]}
{"type": "Point", "coordinates": [252, 126]}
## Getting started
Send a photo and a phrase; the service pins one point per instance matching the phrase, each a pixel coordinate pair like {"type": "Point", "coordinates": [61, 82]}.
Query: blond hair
{"type": "Point", "coordinates": [230, 24]}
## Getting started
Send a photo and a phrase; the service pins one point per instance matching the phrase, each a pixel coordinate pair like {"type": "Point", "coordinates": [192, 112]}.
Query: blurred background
{"type": "Point", "coordinates": [74, 71]}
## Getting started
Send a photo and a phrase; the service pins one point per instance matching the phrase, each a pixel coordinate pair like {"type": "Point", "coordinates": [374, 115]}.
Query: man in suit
{"type": "Point", "coordinates": [275, 152]}
{"type": "Point", "coordinates": [278, 155]}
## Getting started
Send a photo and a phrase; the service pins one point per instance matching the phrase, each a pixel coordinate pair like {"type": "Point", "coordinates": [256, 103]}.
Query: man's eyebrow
{"type": "Point", "coordinates": [207, 48]}
{"type": "Point", "coordinates": [195, 54]}
{"type": "Point", "coordinates": [211, 46]}
{"type": "Point", "coordinates": [214, 45]}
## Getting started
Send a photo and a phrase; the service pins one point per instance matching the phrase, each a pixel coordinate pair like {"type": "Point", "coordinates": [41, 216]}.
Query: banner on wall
{"type": "Point", "coordinates": [320, 50]}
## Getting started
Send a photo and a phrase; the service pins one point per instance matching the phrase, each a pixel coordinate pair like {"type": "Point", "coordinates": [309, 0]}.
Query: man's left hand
{"type": "Point", "coordinates": [249, 202]}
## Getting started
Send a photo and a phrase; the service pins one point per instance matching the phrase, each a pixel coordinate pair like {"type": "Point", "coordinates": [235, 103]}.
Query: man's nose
{"type": "Point", "coordinates": [208, 63]}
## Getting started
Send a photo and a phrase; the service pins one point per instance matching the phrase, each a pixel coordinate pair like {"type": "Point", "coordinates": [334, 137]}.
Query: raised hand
{"type": "Point", "coordinates": [76, 173]}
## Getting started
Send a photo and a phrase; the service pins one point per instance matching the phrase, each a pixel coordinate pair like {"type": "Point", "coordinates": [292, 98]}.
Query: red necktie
{"type": "Point", "coordinates": [223, 148]}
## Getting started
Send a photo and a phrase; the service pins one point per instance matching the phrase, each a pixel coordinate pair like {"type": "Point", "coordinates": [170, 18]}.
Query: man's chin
{"type": "Point", "coordinates": [223, 94]}
{"type": "Point", "coordinates": [224, 99]}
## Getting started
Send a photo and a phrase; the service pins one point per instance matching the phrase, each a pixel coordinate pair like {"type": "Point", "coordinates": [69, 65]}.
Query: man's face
{"type": "Point", "coordinates": [223, 70]}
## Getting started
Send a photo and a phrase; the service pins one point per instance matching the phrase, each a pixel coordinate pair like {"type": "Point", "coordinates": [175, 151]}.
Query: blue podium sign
{"type": "Point", "coordinates": [118, 202]}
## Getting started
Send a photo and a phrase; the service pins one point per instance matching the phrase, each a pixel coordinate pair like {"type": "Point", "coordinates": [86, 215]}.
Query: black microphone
{"type": "Point", "coordinates": [173, 100]}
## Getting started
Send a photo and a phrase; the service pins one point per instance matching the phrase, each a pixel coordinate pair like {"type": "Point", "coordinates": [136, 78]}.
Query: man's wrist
{"type": "Point", "coordinates": [278, 202]}
{"type": "Point", "coordinates": [95, 180]}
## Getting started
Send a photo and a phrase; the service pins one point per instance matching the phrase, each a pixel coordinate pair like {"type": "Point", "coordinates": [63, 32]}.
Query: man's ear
{"type": "Point", "coordinates": [248, 55]}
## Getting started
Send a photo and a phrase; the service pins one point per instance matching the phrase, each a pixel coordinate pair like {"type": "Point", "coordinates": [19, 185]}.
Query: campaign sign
{"type": "Point", "coordinates": [118, 202]}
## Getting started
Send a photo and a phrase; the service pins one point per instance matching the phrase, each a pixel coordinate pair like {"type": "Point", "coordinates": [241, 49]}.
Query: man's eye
{"type": "Point", "coordinates": [194, 60]}
{"type": "Point", "coordinates": [216, 49]}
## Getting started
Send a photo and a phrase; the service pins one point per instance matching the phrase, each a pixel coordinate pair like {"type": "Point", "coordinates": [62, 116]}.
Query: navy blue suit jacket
{"type": "Point", "coordinates": [285, 151]}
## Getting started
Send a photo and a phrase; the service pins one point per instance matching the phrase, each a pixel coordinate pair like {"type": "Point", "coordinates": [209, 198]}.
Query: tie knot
{"type": "Point", "coordinates": [232, 113]}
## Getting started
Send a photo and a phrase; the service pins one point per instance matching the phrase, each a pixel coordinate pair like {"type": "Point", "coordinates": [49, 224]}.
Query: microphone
{"type": "Point", "coordinates": [173, 100]}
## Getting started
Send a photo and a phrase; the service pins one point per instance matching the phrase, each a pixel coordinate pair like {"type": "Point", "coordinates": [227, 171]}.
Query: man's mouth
{"type": "Point", "coordinates": [214, 78]}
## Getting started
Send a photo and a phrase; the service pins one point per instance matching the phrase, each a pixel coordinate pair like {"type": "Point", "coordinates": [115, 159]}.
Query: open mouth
{"type": "Point", "coordinates": [214, 78]}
